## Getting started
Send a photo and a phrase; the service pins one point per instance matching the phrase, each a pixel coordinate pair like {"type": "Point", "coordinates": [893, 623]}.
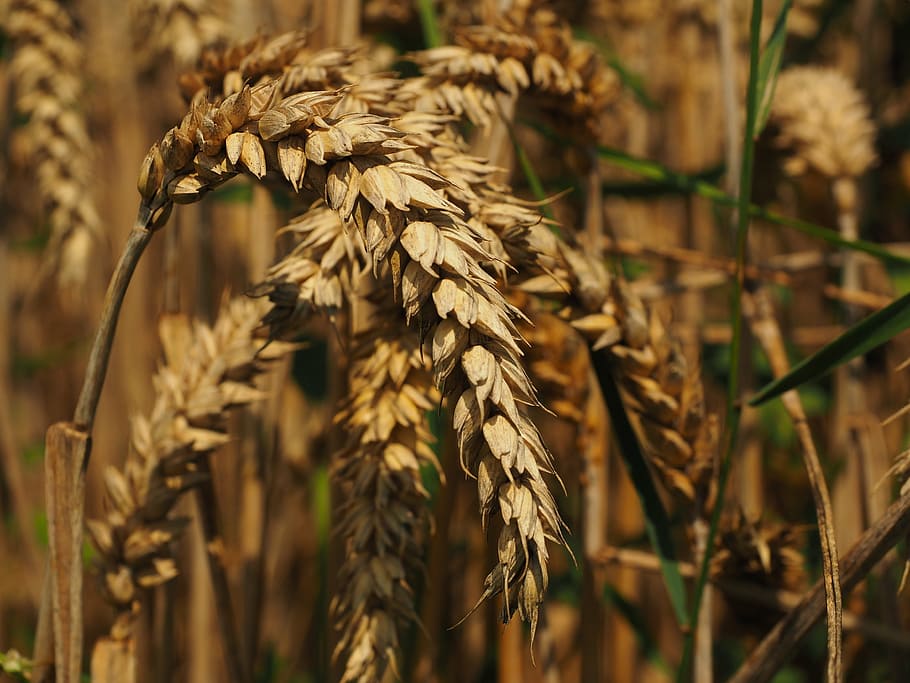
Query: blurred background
{"type": "Point", "coordinates": [86, 87]}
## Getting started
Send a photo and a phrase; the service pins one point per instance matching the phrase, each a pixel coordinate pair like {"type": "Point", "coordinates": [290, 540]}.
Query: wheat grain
{"type": "Point", "coordinates": [47, 67]}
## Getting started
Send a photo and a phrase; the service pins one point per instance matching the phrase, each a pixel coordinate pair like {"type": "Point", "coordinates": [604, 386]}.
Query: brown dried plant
{"type": "Point", "coordinates": [47, 67]}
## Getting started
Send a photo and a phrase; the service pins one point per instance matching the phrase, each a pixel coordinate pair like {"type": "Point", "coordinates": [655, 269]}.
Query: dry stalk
{"type": "Point", "coordinates": [777, 647]}
{"type": "Point", "coordinates": [757, 308]}
{"type": "Point", "coordinates": [47, 71]}
{"type": "Point", "coordinates": [206, 372]}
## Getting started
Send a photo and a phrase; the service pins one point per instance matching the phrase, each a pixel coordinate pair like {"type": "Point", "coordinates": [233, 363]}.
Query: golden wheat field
{"type": "Point", "coordinates": [454, 342]}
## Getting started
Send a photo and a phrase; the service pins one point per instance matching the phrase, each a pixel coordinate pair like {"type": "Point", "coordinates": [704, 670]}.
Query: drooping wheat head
{"type": "Point", "coordinates": [435, 262]}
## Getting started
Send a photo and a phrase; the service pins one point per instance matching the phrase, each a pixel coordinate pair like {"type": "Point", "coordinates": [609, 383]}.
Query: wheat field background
{"type": "Point", "coordinates": [440, 332]}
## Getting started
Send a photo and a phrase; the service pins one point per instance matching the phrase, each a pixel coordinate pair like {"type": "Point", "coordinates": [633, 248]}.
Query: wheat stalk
{"type": "Point", "coordinates": [47, 70]}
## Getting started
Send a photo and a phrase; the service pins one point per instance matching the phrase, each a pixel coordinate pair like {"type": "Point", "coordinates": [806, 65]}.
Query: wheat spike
{"type": "Point", "coordinates": [758, 552]}
{"type": "Point", "coordinates": [823, 123]}
{"type": "Point", "coordinates": [207, 371]}
{"type": "Point", "coordinates": [47, 67]}
{"type": "Point", "coordinates": [528, 51]}
{"type": "Point", "coordinates": [663, 395]}
{"type": "Point", "coordinates": [435, 261]}
{"type": "Point", "coordinates": [384, 514]}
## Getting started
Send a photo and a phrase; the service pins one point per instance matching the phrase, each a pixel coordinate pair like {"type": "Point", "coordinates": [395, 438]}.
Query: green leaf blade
{"type": "Point", "coordinates": [657, 522]}
{"type": "Point", "coordinates": [769, 68]}
{"type": "Point", "coordinates": [873, 331]}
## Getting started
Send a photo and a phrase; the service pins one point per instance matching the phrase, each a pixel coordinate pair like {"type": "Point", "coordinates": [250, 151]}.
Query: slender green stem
{"type": "Point", "coordinates": [689, 184]}
{"type": "Point", "coordinates": [734, 407]}
{"type": "Point", "coordinates": [432, 36]}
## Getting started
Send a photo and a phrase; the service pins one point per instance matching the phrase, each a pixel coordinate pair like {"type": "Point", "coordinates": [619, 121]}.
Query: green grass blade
{"type": "Point", "coordinates": [734, 408]}
{"type": "Point", "coordinates": [769, 67]}
{"type": "Point", "coordinates": [432, 36]}
{"type": "Point", "coordinates": [528, 169]}
{"type": "Point", "coordinates": [657, 522]}
{"type": "Point", "coordinates": [693, 185]}
{"type": "Point", "coordinates": [878, 328]}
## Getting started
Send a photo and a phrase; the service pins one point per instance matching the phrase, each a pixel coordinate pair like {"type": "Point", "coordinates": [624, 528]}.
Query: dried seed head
{"type": "Point", "coordinates": [823, 123]}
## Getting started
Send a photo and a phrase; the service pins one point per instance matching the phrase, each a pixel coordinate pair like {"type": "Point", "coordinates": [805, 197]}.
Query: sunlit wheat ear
{"type": "Point", "coordinates": [435, 262]}
{"type": "Point", "coordinates": [175, 30]}
{"type": "Point", "coordinates": [527, 52]}
{"type": "Point", "coordinates": [822, 123]}
{"type": "Point", "coordinates": [206, 371]}
{"type": "Point", "coordinates": [384, 514]}
{"type": "Point", "coordinates": [47, 67]}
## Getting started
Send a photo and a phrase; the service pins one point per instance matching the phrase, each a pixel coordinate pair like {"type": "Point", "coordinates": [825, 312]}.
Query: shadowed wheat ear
{"type": "Point", "coordinates": [175, 30]}
{"type": "Point", "coordinates": [435, 262]}
{"type": "Point", "coordinates": [206, 371]}
{"type": "Point", "coordinates": [662, 393]}
{"type": "Point", "coordinates": [384, 515]}
{"type": "Point", "coordinates": [47, 71]}
{"type": "Point", "coordinates": [759, 552]}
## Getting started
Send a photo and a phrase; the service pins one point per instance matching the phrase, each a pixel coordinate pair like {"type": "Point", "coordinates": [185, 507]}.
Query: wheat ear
{"type": "Point", "coordinates": [47, 68]}
{"type": "Point", "coordinates": [385, 513]}
{"type": "Point", "coordinates": [175, 30]}
{"type": "Point", "coordinates": [434, 258]}
{"type": "Point", "coordinates": [528, 51]}
{"type": "Point", "coordinates": [207, 371]}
